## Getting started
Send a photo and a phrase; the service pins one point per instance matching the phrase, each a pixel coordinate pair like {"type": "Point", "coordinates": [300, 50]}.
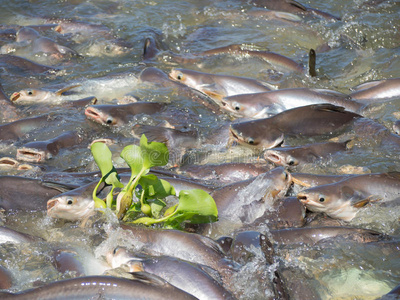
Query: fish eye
{"type": "Point", "coordinates": [109, 121]}
{"type": "Point", "coordinates": [70, 201]}
{"type": "Point", "coordinates": [236, 106]}
{"type": "Point", "coordinates": [30, 92]}
{"type": "Point", "coordinates": [250, 141]}
{"type": "Point", "coordinates": [321, 199]}
{"type": "Point", "coordinates": [179, 76]}
{"type": "Point", "coordinates": [291, 162]}
{"type": "Point", "coordinates": [107, 48]}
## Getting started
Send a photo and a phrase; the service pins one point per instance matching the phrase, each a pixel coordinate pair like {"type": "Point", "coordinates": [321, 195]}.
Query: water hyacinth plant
{"type": "Point", "coordinates": [145, 194]}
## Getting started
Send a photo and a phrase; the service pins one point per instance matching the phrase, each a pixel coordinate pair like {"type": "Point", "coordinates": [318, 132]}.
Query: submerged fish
{"type": "Point", "coordinates": [24, 65]}
{"type": "Point", "coordinates": [342, 199]}
{"type": "Point", "coordinates": [186, 276]}
{"type": "Point", "coordinates": [8, 235]}
{"type": "Point", "coordinates": [21, 127]}
{"type": "Point", "coordinates": [40, 151]}
{"type": "Point", "coordinates": [143, 286]}
{"type": "Point", "coordinates": [8, 112]}
{"type": "Point", "coordinates": [260, 105]}
{"type": "Point", "coordinates": [218, 86]}
{"type": "Point", "coordinates": [306, 121]}
{"type": "Point", "coordinates": [293, 156]}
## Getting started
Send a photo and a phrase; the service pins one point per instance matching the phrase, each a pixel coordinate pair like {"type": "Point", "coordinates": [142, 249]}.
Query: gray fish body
{"type": "Point", "coordinates": [313, 235]}
{"type": "Point", "coordinates": [68, 261]}
{"type": "Point", "coordinates": [121, 114]}
{"type": "Point", "coordinates": [293, 7]}
{"type": "Point", "coordinates": [8, 235]}
{"type": "Point", "coordinates": [373, 91]}
{"type": "Point", "coordinates": [186, 276]}
{"type": "Point", "coordinates": [102, 287]}
{"type": "Point", "coordinates": [293, 156]}
{"type": "Point", "coordinates": [16, 190]}
{"type": "Point", "coordinates": [192, 247]}
{"type": "Point", "coordinates": [273, 102]}
{"type": "Point", "coordinates": [39, 151]}
{"type": "Point", "coordinates": [19, 128]}
{"type": "Point", "coordinates": [308, 180]}
{"type": "Point", "coordinates": [307, 121]}
{"type": "Point", "coordinates": [23, 65]}
{"type": "Point", "coordinates": [217, 86]}
{"type": "Point", "coordinates": [342, 199]}
{"type": "Point", "coordinates": [224, 173]}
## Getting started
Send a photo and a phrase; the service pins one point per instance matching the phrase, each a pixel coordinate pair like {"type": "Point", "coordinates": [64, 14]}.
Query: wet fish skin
{"type": "Point", "coordinates": [35, 96]}
{"type": "Point", "coordinates": [259, 105]}
{"type": "Point", "coordinates": [294, 156]}
{"type": "Point", "coordinates": [217, 86]}
{"type": "Point", "coordinates": [25, 65]}
{"type": "Point", "coordinates": [117, 115]}
{"type": "Point", "coordinates": [18, 129]}
{"type": "Point", "coordinates": [224, 173]}
{"type": "Point", "coordinates": [8, 235]}
{"type": "Point", "coordinates": [73, 205]}
{"type": "Point", "coordinates": [40, 151]}
{"type": "Point", "coordinates": [310, 180]}
{"type": "Point", "coordinates": [294, 7]}
{"type": "Point", "coordinates": [13, 197]}
{"type": "Point", "coordinates": [66, 260]}
{"type": "Point", "coordinates": [185, 276]}
{"type": "Point", "coordinates": [372, 91]}
{"type": "Point", "coordinates": [305, 121]}
{"type": "Point", "coordinates": [193, 247]}
{"type": "Point", "coordinates": [144, 286]}
{"type": "Point", "coordinates": [342, 200]}
{"type": "Point", "coordinates": [314, 235]}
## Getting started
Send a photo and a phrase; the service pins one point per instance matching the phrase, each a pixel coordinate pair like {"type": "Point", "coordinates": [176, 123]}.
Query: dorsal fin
{"type": "Point", "coordinates": [150, 49]}
{"type": "Point", "coordinates": [63, 90]}
{"type": "Point", "coordinates": [149, 278]}
{"type": "Point", "coordinates": [366, 85]}
{"type": "Point", "coordinates": [296, 4]}
{"type": "Point", "coordinates": [311, 63]}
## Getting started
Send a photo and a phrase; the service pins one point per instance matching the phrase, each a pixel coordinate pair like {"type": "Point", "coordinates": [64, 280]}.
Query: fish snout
{"type": "Point", "coordinates": [50, 204]}
{"type": "Point", "coordinates": [274, 157]}
{"type": "Point", "coordinates": [32, 155]}
{"type": "Point", "coordinates": [303, 198]}
{"type": "Point", "coordinates": [15, 96]}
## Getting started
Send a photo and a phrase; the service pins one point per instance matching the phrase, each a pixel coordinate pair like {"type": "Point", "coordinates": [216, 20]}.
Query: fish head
{"type": "Point", "coordinates": [280, 158]}
{"type": "Point", "coordinates": [249, 133]}
{"type": "Point", "coordinates": [26, 34]}
{"type": "Point", "coordinates": [120, 256]}
{"type": "Point", "coordinates": [236, 107]}
{"type": "Point", "coordinates": [281, 182]}
{"type": "Point", "coordinates": [29, 95]}
{"type": "Point", "coordinates": [70, 207]}
{"type": "Point", "coordinates": [314, 200]}
{"type": "Point", "coordinates": [99, 116]}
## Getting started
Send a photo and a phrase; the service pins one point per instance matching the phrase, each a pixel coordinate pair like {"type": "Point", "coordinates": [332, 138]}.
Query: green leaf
{"type": "Point", "coordinates": [154, 153]}
{"type": "Point", "coordinates": [132, 155]}
{"type": "Point", "coordinates": [155, 188]}
{"type": "Point", "coordinates": [196, 206]}
{"type": "Point", "coordinates": [102, 156]}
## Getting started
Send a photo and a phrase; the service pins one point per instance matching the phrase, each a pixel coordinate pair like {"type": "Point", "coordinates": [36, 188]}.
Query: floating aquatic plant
{"type": "Point", "coordinates": [194, 206]}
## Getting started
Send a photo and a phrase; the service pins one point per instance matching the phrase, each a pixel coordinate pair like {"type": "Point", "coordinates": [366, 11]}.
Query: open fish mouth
{"type": "Point", "coordinates": [93, 114]}
{"type": "Point", "coordinates": [15, 96]}
{"type": "Point", "coordinates": [8, 162]}
{"type": "Point", "coordinates": [308, 202]}
{"type": "Point", "coordinates": [31, 155]}
{"type": "Point", "coordinates": [272, 156]}
{"type": "Point", "coordinates": [51, 204]}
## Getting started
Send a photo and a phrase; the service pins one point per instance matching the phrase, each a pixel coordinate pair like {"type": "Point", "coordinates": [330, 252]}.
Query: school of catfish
{"type": "Point", "coordinates": [286, 113]}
